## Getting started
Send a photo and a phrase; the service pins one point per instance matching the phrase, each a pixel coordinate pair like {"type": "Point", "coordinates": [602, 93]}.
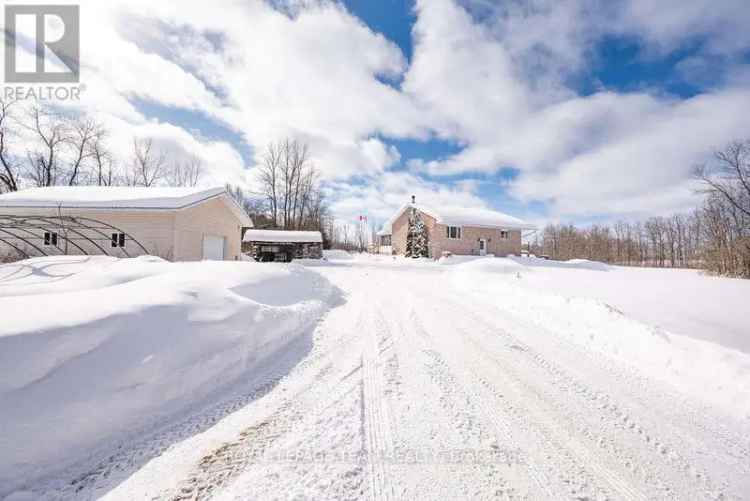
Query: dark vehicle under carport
{"type": "Point", "coordinates": [282, 246]}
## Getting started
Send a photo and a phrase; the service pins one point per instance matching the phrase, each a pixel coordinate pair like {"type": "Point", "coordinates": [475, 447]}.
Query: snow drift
{"type": "Point", "coordinates": [715, 375]}
{"type": "Point", "coordinates": [96, 348]}
{"type": "Point", "coordinates": [336, 254]}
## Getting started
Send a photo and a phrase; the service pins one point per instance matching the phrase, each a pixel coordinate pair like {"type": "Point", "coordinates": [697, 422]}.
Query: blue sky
{"type": "Point", "coordinates": [616, 63]}
{"type": "Point", "coordinates": [551, 110]}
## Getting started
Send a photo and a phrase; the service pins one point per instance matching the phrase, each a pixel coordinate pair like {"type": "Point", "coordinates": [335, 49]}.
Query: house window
{"type": "Point", "coordinates": [453, 232]}
{"type": "Point", "coordinates": [118, 239]}
{"type": "Point", "coordinates": [50, 238]}
{"type": "Point", "coordinates": [385, 240]}
{"type": "Point", "coordinates": [504, 234]}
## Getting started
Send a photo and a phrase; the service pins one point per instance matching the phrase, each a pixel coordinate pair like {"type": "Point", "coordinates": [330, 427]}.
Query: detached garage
{"type": "Point", "coordinates": [180, 224]}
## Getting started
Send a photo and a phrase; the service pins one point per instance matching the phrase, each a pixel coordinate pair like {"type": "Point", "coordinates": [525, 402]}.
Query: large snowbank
{"type": "Point", "coordinates": [582, 303]}
{"type": "Point", "coordinates": [686, 302]}
{"type": "Point", "coordinates": [94, 349]}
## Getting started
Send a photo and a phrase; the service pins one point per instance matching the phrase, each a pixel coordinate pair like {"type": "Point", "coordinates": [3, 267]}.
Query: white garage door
{"type": "Point", "coordinates": [213, 247]}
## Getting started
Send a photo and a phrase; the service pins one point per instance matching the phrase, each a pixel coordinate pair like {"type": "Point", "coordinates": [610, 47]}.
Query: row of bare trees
{"type": "Point", "coordinates": [290, 188]}
{"type": "Point", "coordinates": [352, 237]}
{"type": "Point", "coordinates": [714, 237]}
{"type": "Point", "coordinates": [42, 146]}
{"type": "Point", "coordinates": [659, 241]}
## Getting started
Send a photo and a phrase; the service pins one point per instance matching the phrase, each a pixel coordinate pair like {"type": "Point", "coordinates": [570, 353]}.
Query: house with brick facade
{"type": "Point", "coordinates": [456, 230]}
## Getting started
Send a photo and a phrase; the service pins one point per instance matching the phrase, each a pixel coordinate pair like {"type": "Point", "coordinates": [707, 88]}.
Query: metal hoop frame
{"type": "Point", "coordinates": [18, 232]}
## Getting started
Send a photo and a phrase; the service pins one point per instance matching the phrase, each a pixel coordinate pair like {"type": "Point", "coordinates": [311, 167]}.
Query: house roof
{"type": "Point", "coordinates": [463, 216]}
{"type": "Point", "coordinates": [279, 236]}
{"type": "Point", "coordinates": [119, 198]}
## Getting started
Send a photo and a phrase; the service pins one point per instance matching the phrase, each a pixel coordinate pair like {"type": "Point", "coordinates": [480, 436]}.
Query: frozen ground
{"type": "Point", "coordinates": [479, 379]}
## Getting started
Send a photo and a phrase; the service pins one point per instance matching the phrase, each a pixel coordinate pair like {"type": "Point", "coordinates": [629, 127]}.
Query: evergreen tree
{"type": "Point", "coordinates": [410, 235]}
{"type": "Point", "coordinates": [417, 238]}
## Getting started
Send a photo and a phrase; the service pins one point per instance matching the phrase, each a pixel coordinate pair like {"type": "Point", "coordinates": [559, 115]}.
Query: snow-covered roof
{"type": "Point", "coordinates": [117, 197]}
{"type": "Point", "coordinates": [282, 236]}
{"type": "Point", "coordinates": [108, 197]}
{"type": "Point", "coordinates": [463, 216]}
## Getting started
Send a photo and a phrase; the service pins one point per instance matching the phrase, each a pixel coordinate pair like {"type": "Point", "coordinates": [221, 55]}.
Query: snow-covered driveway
{"type": "Point", "coordinates": [416, 388]}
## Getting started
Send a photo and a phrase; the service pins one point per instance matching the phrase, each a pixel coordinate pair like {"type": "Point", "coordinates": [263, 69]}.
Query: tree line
{"type": "Point", "coordinates": [42, 146]}
{"type": "Point", "coordinates": [714, 236]}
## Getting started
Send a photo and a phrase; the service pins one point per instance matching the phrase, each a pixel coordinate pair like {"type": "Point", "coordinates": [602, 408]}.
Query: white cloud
{"type": "Point", "coordinates": [494, 77]}
{"type": "Point", "coordinates": [382, 195]}
{"type": "Point", "coordinates": [602, 153]}
{"type": "Point", "coordinates": [314, 75]}
{"type": "Point", "coordinates": [668, 23]}
{"type": "Point", "coordinates": [220, 161]}
{"type": "Point", "coordinates": [653, 155]}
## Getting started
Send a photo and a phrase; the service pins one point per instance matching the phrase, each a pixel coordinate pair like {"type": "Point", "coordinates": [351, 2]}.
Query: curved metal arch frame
{"type": "Point", "coordinates": [73, 224]}
{"type": "Point", "coordinates": [105, 237]}
{"type": "Point", "coordinates": [44, 228]}
{"type": "Point", "coordinates": [13, 235]}
{"type": "Point", "coordinates": [17, 249]}
{"type": "Point", "coordinates": [130, 237]}
{"type": "Point", "coordinates": [24, 219]}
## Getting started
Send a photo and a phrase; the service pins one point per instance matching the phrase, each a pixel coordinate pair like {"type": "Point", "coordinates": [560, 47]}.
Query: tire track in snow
{"type": "Point", "coordinates": [322, 370]}
{"type": "Point", "coordinates": [685, 419]}
{"type": "Point", "coordinates": [376, 418]}
{"type": "Point", "coordinates": [218, 468]}
{"type": "Point", "coordinates": [532, 407]}
{"type": "Point", "coordinates": [566, 472]}
{"type": "Point", "coordinates": [642, 446]}
{"type": "Point", "coordinates": [646, 461]}
{"type": "Point", "coordinates": [451, 415]}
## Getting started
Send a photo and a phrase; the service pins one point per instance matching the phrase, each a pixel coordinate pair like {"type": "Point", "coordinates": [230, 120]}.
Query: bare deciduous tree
{"type": "Point", "coordinates": [147, 165]}
{"type": "Point", "coordinates": [289, 184]}
{"type": "Point", "coordinates": [9, 175]}
{"type": "Point", "coordinates": [729, 175]}
{"type": "Point", "coordinates": [269, 175]}
{"type": "Point", "coordinates": [294, 167]}
{"type": "Point", "coordinates": [186, 172]}
{"type": "Point", "coordinates": [104, 170]}
{"type": "Point", "coordinates": [727, 212]}
{"type": "Point", "coordinates": [84, 133]}
{"type": "Point", "coordinates": [51, 132]}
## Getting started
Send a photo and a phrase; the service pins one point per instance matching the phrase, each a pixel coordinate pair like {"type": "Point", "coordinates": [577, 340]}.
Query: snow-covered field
{"type": "Point", "coordinates": [685, 302]}
{"type": "Point", "coordinates": [466, 378]}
